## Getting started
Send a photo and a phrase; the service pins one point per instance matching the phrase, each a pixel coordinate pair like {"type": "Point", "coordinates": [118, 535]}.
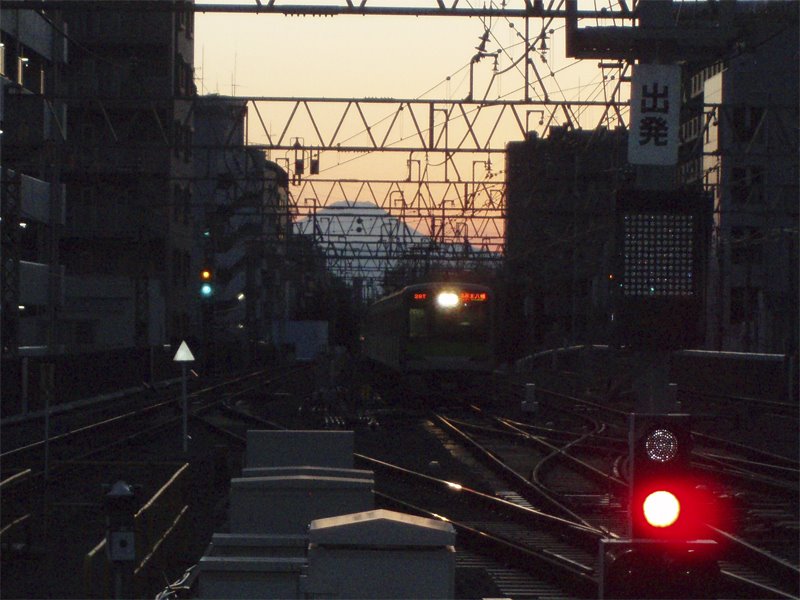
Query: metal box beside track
{"type": "Point", "coordinates": [254, 544]}
{"type": "Point", "coordinates": [234, 577]}
{"type": "Point", "coordinates": [380, 554]}
{"type": "Point", "coordinates": [286, 505]}
{"type": "Point", "coordinates": [331, 449]}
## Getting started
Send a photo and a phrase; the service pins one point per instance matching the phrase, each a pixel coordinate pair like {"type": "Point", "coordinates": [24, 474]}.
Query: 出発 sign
{"type": "Point", "coordinates": [655, 112]}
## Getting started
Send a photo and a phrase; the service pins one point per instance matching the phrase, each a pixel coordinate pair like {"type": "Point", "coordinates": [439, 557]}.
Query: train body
{"type": "Point", "coordinates": [433, 328]}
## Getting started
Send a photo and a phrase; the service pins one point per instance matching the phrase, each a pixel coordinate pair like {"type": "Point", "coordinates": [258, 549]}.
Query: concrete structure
{"type": "Point", "coordinates": [742, 143]}
{"type": "Point", "coordinates": [294, 477]}
{"type": "Point", "coordinates": [330, 449]}
{"type": "Point", "coordinates": [127, 170]}
{"type": "Point", "coordinates": [33, 55]}
{"type": "Point", "coordinates": [381, 554]}
{"type": "Point", "coordinates": [234, 577]}
{"type": "Point", "coordinates": [310, 531]}
{"type": "Point", "coordinates": [286, 505]}
{"type": "Point", "coordinates": [253, 544]}
{"type": "Point", "coordinates": [559, 235]}
{"type": "Point", "coordinates": [306, 471]}
{"type": "Point", "coordinates": [96, 112]}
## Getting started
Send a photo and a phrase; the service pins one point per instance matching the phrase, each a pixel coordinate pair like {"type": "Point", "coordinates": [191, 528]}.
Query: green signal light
{"type": "Point", "coordinates": [206, 290]}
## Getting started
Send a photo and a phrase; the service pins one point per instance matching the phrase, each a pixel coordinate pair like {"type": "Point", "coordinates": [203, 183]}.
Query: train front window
{"type": "Point", "coordinates": [463, 323]}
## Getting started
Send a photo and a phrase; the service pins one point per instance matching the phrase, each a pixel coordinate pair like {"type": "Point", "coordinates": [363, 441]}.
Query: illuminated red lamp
{"type": "Point", "coordinates": [661, 508]}
{"type": "Point", "coordinates": [420, 296]}
{"type": "Point", "coordinates": [474, 296]}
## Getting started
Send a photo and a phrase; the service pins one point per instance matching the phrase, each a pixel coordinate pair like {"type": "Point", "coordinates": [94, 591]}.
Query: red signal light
{"type": "Point", "coordinates": [661, 508]}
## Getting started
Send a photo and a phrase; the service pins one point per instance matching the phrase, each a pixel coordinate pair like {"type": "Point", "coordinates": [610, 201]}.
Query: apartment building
{"type": "Point", "coordinates": [741, 141]}
{"type": "Point", "coordinates": [128, 237]}
{"type": "Point", "coordinates": [559, 235]}
{"type": "Point", "coordinates": [32, 54]}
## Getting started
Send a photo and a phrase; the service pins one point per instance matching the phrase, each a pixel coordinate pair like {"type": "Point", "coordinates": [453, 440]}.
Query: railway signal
{"type": "Point", "coordinates": [662, 498]}
{"type": "Point", "coordinates": [665, 555]}
{"type": "Point", "coordinates": [206, 282]}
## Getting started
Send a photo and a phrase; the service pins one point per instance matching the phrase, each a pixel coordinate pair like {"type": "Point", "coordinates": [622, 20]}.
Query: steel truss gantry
{"type": "Point", "coordinates": [448, 126]}
{"type": "Point", "coordinates": [554, 9]}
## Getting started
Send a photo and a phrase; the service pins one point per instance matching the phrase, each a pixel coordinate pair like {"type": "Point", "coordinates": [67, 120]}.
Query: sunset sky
{"type": "Point", "coordinates": [360, 56]}
{"type": "Point", "coordinates": [398, 57]}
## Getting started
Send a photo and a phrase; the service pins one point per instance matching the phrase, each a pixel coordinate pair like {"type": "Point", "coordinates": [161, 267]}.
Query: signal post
{"type": "Point", "coordinates": [663, 233]}
{"type": "Point", "coordinates": [667, 553]}
{"type": "Point", "coordinates": [207, 292]}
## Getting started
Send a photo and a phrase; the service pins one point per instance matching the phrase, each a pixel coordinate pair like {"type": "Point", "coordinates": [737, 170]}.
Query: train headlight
{"type": "Point", "coordinates": [447, 300]}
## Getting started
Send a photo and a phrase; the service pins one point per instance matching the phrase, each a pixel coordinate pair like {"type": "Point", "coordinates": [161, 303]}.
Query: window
{"type": "Point", "coordinates": [747, 185]}
{"type": "Point", "coordinates": [746, 120]}
{"type": "Point", "coordinates": [746, 245]}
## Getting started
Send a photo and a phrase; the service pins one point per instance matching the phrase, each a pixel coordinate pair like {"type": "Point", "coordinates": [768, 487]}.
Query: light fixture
{"type": "Point", "coordinates": [447, 299]}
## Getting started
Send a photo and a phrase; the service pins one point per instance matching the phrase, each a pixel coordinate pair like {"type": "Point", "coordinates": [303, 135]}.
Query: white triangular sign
{"type": "Point", "coordinates": [183, 354]}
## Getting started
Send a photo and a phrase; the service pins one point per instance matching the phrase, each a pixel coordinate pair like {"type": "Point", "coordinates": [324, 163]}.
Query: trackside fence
{"type": "Point", "coordinates": [15, 513]}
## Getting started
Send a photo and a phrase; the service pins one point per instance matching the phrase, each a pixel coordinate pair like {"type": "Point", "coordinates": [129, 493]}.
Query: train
{"type": "Point", "coordinates": [433, 328]}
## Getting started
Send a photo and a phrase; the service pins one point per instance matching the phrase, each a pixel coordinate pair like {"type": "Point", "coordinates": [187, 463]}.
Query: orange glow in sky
{"type": "Point", "coordinates": [393, 57]}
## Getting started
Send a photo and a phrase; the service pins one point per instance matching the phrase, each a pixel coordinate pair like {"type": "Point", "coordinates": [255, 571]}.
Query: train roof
{"type": "Point", "coordinates": [441, 284]}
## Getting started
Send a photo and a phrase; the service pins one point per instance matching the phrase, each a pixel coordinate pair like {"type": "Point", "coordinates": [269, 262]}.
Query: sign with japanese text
{"type": "Point", "coordinates": [655, 113]}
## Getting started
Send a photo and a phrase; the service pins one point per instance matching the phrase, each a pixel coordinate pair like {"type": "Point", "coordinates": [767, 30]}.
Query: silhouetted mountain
{"type": "Point", "coordinates": [363, 240]}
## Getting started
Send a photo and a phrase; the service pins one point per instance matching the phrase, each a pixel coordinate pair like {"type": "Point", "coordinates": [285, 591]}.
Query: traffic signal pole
{"type": "Point", "coordinates": [665, 554]}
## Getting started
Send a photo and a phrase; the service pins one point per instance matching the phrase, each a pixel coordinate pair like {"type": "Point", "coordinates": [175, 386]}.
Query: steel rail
{"type": "Point", "coordinates": [749, 553]}
{"type": "Point", "coordinates": [120, 418]}
{"type": "Point", "coordinates": [538, 562]}
{"type": "Point", "coordinates": [578, 527]}
{"type": "Point", "coordinates": [534, 493]}
{"type": "Point", "coordinates": [581, 577]}
{"type": "Point", "coordinates": [755, 555]}
{"type": "Point", "coordinates": [585, 467]}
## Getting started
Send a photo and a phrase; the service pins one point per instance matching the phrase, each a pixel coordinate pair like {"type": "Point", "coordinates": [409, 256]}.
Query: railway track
{"type": "Point", "coordinates": [763, 552]}
{"type": "Point", "coordinates": [50, 524]}
{"type": "Point", "coordinates": [85, 434]}
{"type": "Point", "coordinates": [558, 552]}
{"type": "Point", "coordinates": [583, 482]}
{"type": "Point", "coordinates": [533, 495]}
{"type": "Point", "coordinates": [590, 506]}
